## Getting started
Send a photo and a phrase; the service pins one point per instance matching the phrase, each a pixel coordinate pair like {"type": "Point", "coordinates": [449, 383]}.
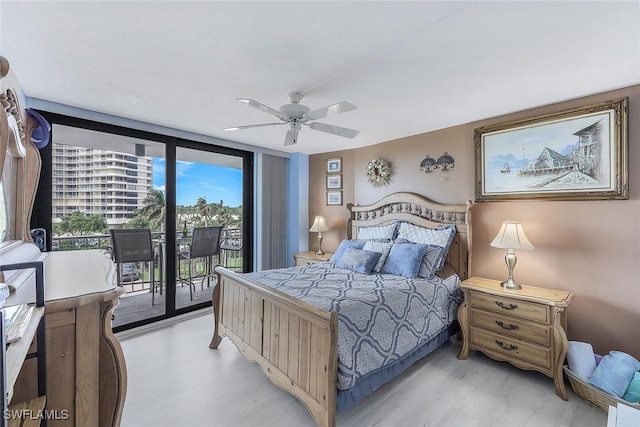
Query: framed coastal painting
{"type": "Point", "coordinates": [334, 181]}
{"type": "Point", "coordinates": [334, 197]}
{"type": "Point", "coordinates": [579, 154]}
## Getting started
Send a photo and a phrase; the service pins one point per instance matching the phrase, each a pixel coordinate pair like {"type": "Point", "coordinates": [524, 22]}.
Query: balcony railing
{"type": "Point", "coordinates": [136, 277]}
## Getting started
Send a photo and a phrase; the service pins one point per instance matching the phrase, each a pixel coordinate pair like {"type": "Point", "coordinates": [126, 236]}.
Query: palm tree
{"type": "Point", "coordinates": [154, 209]}
{"type": "Point", "coordinates": [203, 209]}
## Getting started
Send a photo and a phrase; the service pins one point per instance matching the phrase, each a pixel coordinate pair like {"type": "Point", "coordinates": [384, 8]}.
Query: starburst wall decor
{"type": "Point", "coordinates": [379, 172]}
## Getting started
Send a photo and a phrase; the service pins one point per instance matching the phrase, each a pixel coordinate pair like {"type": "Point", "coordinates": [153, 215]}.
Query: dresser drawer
{"type": "Point", "coordinates": [512, 326]}
{"type": "Point", "coordinates": [511, 306]}
{"type": "Point", "coordinates": [512, 348]}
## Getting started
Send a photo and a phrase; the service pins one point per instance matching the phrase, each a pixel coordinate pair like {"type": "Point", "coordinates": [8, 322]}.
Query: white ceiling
{"type": "Point", "coordinates": [410, 67]}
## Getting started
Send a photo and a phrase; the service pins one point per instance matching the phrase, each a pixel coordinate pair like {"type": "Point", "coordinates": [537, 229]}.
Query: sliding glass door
{"type": "Point", "coordinates": [209, 221]}
{"type": "Point", "coordinates": [97, 178]}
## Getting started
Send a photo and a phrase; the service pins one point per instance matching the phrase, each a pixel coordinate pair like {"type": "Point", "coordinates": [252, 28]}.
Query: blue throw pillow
{"type": "Point", "coordinates": [344, 245]}
{"type": "Point", "coordinates": [614, 373]}
{"type": "Point", "coordinates": [404, 260]}
{"type": "Point", "coordinates": [358, 260]}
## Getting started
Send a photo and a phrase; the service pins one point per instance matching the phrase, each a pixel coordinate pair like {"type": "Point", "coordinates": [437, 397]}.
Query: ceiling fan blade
{"type": "Point", "coordinates": [259, 106]}
{"type": "Point", "coordinates": [336, 130]}
{"type": "Point", "coordinates": [252, 126]}
{"type": "Point", "coordinates": [291, 138]}
{"type": "Point", "coordinates": [340, 107]}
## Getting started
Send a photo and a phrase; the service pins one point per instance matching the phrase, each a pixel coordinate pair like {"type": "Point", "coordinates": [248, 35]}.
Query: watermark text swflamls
{"type": "Point", "coordinates": [30, 414]}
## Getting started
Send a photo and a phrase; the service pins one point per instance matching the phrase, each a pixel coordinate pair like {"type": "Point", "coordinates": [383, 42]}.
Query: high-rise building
{"type": "Point", "coordinates": [93, 181]}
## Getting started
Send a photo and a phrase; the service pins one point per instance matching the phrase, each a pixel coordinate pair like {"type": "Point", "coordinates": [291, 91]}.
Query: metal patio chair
{"type": "Point", "coordinates": [205, 243]}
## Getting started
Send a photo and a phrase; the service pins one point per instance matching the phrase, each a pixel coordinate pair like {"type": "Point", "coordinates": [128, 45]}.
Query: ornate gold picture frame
{"type": "Point", "coordinates": [578, 154]}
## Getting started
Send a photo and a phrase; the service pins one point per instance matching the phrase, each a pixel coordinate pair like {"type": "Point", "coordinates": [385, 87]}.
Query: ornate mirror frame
{"type": "Point", "coordinates": [19, 166]}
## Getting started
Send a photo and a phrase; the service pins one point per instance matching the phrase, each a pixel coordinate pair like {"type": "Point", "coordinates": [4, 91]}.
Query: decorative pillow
{"type": "Point", "coordinates": [381, 233]}
{"type": "Point", "coordinates": [429, 264]}
{"type": "Point", "coordinates": [405, 259]}
{"type": "Point", "coordinates": [344, 245]}
{"type": "Point", "coordinates": [442, 236]}
{"type": "Point", "coordinates": [358, 260]}
{"type": "Point", "coordinates": [383, 248]}
{"type": "Point", "coordinates": [614, 373]}
{"type": "Point", "coordinates": [633, 391]}
{"type": "Point", "coordinates": [581, 358]}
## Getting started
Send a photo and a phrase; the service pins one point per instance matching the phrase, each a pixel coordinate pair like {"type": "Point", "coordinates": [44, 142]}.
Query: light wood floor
{"type": "Point", "coordinates": [174, 379]}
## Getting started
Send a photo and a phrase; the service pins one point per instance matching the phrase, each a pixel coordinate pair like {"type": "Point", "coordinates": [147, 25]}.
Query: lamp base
{"type": "Point", "coordinates": [319, 251]}
{"type": "Point", "coordinates": [510, 284]}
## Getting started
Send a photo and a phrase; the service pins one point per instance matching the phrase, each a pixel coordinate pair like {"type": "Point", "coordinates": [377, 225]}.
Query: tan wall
{"type": "Point", "coordinates": [591, 248]}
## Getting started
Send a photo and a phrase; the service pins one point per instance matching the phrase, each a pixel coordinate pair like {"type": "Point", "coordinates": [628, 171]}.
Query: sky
{"type": "Point", "coordinates": [196, 180]}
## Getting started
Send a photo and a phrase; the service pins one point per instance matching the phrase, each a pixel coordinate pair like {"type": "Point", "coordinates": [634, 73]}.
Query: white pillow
{"type": "Point", "coordinates": [377, 232]}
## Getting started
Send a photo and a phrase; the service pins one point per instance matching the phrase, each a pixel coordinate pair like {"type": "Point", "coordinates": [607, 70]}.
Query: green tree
{"type": "Point", "coordinates": [79, 224]}
{"type": "Point", "coordinates": [225, 216]}
{"type": "Point", "coordinates": [138, 221]}
{"type": "Point", "coordinates": [153, 209]}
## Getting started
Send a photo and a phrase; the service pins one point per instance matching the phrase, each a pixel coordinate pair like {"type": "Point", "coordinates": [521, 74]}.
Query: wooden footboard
{"type": "Point", "coordinates": [294, 343]}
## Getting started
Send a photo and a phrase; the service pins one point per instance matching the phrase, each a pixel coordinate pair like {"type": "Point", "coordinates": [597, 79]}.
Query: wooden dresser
{"type": "Point", "coordinates": [310, 257]}
{"type": "Point", "coordinates": [524, 327]}
{"type": "Point", "coordinates": [86, 371]}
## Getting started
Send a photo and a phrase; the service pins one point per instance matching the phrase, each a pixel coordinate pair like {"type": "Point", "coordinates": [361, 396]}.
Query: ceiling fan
{"type": "Point", "coordinates": [296, 115]}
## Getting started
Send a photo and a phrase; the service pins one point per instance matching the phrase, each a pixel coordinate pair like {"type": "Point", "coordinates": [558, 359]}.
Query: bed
{"type": "Point", "coordinates": [293, 323]}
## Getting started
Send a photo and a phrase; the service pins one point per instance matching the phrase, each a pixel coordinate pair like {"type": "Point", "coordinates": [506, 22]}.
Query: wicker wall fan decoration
{"type": "Point", "coordinates": [379, 172]}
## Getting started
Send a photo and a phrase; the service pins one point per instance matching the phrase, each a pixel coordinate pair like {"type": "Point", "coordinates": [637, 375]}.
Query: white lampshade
{"type": "Point", "coordinates": [319, 225]}
{"type": "Point", "coordinates": [511, 236]}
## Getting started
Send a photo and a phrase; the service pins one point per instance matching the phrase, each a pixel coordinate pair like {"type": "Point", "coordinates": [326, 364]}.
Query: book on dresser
{"type": "Point", "coordinates": [16, 320]}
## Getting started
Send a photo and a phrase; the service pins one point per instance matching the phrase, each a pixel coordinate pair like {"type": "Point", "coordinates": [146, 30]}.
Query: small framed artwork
{"type": "Point", "coordinates": [334, 198]}
{"type": "Point", "coordinates": [334, 165]}
{"type": "Point", "coordinates": [334, 181]}
{"type": "Point", "coordinates": [580, 154]}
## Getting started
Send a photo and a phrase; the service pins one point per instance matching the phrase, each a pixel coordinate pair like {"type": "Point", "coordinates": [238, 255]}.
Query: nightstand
{"type": "Point", "coordinates": [524, 327]}
{"type": "Point", "coordinates": [310, 257]}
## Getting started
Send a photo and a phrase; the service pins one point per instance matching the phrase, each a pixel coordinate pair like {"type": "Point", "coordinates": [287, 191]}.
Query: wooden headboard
{"type": "Point", "coordinates": [420, 211]}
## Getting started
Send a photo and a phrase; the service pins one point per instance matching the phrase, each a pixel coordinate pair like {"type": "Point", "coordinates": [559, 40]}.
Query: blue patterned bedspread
{"type": "Point", "coordinates": [381, 317]}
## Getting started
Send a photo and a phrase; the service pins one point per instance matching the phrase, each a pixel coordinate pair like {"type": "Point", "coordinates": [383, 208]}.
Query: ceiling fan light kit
{"type": "Point", "coordinates": [296, 115]}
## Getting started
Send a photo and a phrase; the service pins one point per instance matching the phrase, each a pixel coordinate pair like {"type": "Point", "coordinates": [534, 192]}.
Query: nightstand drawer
{"type": "Point", "coordinates": [310, 257]}
{"type": "Point", "coordinates": [304, 261]}
{"type": "Point", "coordinates": [511, 326]}
{"type": "Point", "coordinates": [514, 348]}
{"type": "Point", "coordinates": [512, 307]}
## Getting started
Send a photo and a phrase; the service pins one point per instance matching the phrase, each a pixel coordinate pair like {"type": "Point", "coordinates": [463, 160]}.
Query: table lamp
{"type": "Point", "coordinates": [511, 237]}
{"type": "Point", "coordinates": [319, 225]}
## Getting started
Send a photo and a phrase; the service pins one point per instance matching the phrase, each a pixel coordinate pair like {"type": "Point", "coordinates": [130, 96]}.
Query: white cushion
{"type": "Point", "coordinates": [377, 232]}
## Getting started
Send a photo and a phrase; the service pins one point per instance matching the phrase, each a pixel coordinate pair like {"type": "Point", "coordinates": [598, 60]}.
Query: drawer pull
{"type": "Point", "coordinates": [510, 347]}
{"type": "Point", "coordinates": [506, 307]}
{"type": "Point", "coordinates": [508, 327]}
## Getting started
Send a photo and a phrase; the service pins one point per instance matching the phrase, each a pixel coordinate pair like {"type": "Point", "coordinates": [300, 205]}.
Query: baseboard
{"type": "Point", "coordinates": [140, 330]}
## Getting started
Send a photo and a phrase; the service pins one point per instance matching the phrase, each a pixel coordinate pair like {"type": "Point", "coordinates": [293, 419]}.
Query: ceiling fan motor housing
{"type": "Point", "coordinates": [294, 111]}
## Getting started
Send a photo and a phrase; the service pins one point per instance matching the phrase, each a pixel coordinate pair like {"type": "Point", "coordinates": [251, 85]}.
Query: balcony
{"type": "Point", "coordinates": [136, 304]}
